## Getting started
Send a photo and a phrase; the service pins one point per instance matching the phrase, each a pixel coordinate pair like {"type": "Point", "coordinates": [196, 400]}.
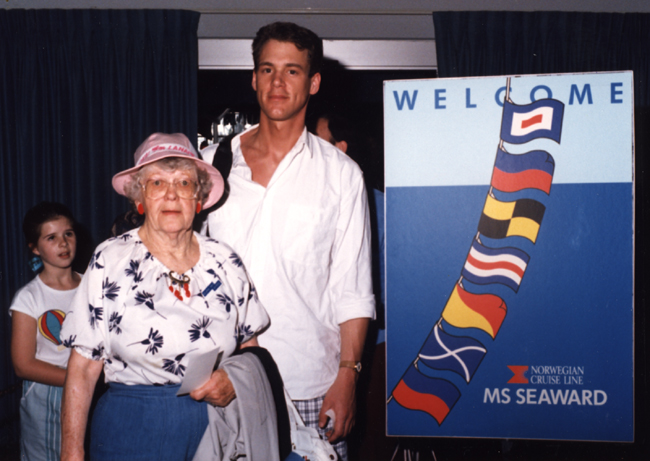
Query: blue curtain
{"type": "Point", "coordinates": [508, 42]}
{"type": "Point", "coordinates": [79, 91]}
{"type": "Point", "coordinates": [501, 43]}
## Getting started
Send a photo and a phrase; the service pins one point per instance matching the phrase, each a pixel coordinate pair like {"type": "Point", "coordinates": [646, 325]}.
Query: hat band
{"type": "Point", "coordinates": [166, 148]}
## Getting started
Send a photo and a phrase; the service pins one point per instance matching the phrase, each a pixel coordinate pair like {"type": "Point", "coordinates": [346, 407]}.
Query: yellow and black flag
{"type": "Point", "coordinates": [506, 219]}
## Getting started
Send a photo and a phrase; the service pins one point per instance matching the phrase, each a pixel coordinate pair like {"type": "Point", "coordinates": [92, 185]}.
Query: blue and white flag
{"type": "Point", "coordinates": [495, 265]}
{"type": "Point", "coordinates": [460, 354]}
{"type": "Point", "coordinates": [540, 119]}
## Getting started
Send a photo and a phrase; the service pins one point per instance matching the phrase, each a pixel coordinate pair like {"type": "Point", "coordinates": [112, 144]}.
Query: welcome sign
{"type": "Point", "coordinates": [509, 233]}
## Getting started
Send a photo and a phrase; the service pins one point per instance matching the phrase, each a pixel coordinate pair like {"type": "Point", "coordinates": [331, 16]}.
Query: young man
{"type": "Point", "coordinates": [297, 214]}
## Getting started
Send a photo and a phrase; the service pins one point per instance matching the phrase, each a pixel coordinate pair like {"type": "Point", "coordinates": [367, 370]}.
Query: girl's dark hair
{"type": "Point", "coordinates": [39, 215]}
{"type": "Point", "coordinates": [302, 38]}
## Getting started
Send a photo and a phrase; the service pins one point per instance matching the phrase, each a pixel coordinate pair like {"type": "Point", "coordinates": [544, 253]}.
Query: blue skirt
{"type": "Point", "coordinates": [142, 423]}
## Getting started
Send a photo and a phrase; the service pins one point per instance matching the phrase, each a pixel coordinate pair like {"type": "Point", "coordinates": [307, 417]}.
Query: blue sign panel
{"type": "Point", "coordinates": [509, 255]}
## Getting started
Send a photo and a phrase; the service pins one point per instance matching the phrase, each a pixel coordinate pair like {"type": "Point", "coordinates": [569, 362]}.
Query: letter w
{"type": "Point", "coordinates": [559, 396]}
{"type": "Point", "coordinates": [405, 96]}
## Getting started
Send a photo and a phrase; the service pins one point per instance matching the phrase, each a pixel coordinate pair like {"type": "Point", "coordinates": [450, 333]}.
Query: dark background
{"type": "Point", "coordinates": [356, 95]}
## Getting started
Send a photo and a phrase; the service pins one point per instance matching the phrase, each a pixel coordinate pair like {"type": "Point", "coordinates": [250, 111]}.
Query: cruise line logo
{"type": "Point", "coordinates": [518, 374]}
{"type": "Point", "coordinates": [546, 385]}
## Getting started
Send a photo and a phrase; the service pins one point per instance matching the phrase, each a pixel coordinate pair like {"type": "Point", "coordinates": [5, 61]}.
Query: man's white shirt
{"type": "Point", "coordinates": [305, 241]}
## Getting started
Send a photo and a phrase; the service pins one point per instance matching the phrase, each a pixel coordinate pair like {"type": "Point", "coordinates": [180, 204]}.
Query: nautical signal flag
{"type": "Point", "coordinates": [540, 119]}
{"type": "Point", "coordinates": [434, 396]}
{"type": "Point", "coordinates": [532, 170]}
{"type": "Point", "coordinates": [468, 310]}
{"type": "Point", "coordinates": [506, 219]}
{"type": "Point", "coordinates": [495, 265]}
{"type": "Point", "coordinates": [460, 354]}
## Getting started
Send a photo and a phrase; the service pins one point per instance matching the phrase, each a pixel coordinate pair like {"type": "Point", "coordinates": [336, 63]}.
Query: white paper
{"type": "Point", "coordinates": [199, 370]}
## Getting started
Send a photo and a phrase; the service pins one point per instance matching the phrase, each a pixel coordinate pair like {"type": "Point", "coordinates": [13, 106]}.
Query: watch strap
{"type": "Point", "coordinates": [356, 366]}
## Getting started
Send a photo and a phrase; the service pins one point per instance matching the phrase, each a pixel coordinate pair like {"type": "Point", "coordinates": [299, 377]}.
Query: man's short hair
{"type": "Point", "coordinates": [302, 38]}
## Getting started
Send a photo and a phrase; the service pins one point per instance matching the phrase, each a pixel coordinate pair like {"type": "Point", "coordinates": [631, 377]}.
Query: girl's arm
{"type": "Point", "coordinates": [23, 353]}
{"type": "Point", "coordinates": [77, 395]}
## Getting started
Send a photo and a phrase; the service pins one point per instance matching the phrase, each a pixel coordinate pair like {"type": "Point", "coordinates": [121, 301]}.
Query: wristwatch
{"type": "Point", "coordinates": [356, 366]}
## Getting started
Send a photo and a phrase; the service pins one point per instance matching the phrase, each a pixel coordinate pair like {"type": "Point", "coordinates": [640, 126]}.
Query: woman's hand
{"type": "Point", "coordinates": [218, 391]}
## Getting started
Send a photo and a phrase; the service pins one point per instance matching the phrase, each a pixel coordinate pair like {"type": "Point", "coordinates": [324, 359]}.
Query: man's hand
{"type": "Point", "coordinates": [341, 397]}
{"type": "Point", "coordinates": [218, 391]}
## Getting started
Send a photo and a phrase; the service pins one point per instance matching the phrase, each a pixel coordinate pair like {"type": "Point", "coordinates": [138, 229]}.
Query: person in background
{"type": "Point", "coordinates": [303, 231]}
{"type": "Point", "coordinates": [38, 309]}
{"type": "Point", "coordinates": [371, 440]}
{"type": "Point", "coordinates": [341, 132]}
{"type": "Point", "coordinates": [151, 300]}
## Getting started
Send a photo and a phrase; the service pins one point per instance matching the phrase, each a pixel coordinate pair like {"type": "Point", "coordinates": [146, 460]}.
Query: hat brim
{"type": "Point", "coordinates": [121, 179]}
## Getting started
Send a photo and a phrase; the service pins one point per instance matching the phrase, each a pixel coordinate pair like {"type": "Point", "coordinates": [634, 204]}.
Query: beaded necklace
{"type": "Point", "coordinates": [179, 285]}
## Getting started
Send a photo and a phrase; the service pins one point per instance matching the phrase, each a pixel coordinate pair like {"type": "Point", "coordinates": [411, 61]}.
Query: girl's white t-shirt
{"type": "Point", "coordinates": [49, 307]}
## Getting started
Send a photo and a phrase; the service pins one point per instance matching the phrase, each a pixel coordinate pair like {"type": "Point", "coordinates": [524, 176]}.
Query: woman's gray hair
{"type": "Point", "coordinates": [133, 188]}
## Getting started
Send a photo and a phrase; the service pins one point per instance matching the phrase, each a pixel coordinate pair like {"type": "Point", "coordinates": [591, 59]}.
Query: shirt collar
{"type": "Point", "coordinates": [303, 140]}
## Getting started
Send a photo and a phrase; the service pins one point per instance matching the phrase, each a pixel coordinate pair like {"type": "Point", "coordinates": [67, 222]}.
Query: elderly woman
{"type": "Point", "coordinates": [151, 300]}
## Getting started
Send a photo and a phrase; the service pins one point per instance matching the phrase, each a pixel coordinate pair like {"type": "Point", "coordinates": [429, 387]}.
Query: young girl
{"type": "Point", "coordinates": [38, 310]}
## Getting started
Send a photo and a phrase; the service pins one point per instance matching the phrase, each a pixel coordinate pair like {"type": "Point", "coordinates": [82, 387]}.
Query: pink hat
{"type": "Point", "coordinates": [162, 145]}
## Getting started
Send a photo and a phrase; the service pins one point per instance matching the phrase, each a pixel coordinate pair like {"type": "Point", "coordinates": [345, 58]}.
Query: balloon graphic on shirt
{"type": "Point", "coordinates": [49, 324]}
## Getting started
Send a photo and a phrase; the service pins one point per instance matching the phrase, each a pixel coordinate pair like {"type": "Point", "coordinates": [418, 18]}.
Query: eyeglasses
{"type": "Point", "coordinates": [157, 188]}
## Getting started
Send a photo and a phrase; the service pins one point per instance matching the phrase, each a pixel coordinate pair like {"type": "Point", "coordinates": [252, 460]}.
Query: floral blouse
{"type": "Point", "coordinates": [133, 313]}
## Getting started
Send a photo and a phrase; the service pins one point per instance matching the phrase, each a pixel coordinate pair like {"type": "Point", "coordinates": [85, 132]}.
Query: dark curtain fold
{"type": "Point", "coordinates": [503, 43]}
{"type": "Point", "coordinates": [79, 91]}
{"type": "Point", "coordinates": [508, 42]}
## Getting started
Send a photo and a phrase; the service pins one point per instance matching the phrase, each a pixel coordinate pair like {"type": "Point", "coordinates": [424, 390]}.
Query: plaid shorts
{"type": "Point", "coordinates": [309, 410]}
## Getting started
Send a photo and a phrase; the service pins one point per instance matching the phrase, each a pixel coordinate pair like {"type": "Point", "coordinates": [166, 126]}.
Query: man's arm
{"type": "Point", "coordinates": [354, 301]}
{"type": "Point", "coordinates": [341, 396]}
